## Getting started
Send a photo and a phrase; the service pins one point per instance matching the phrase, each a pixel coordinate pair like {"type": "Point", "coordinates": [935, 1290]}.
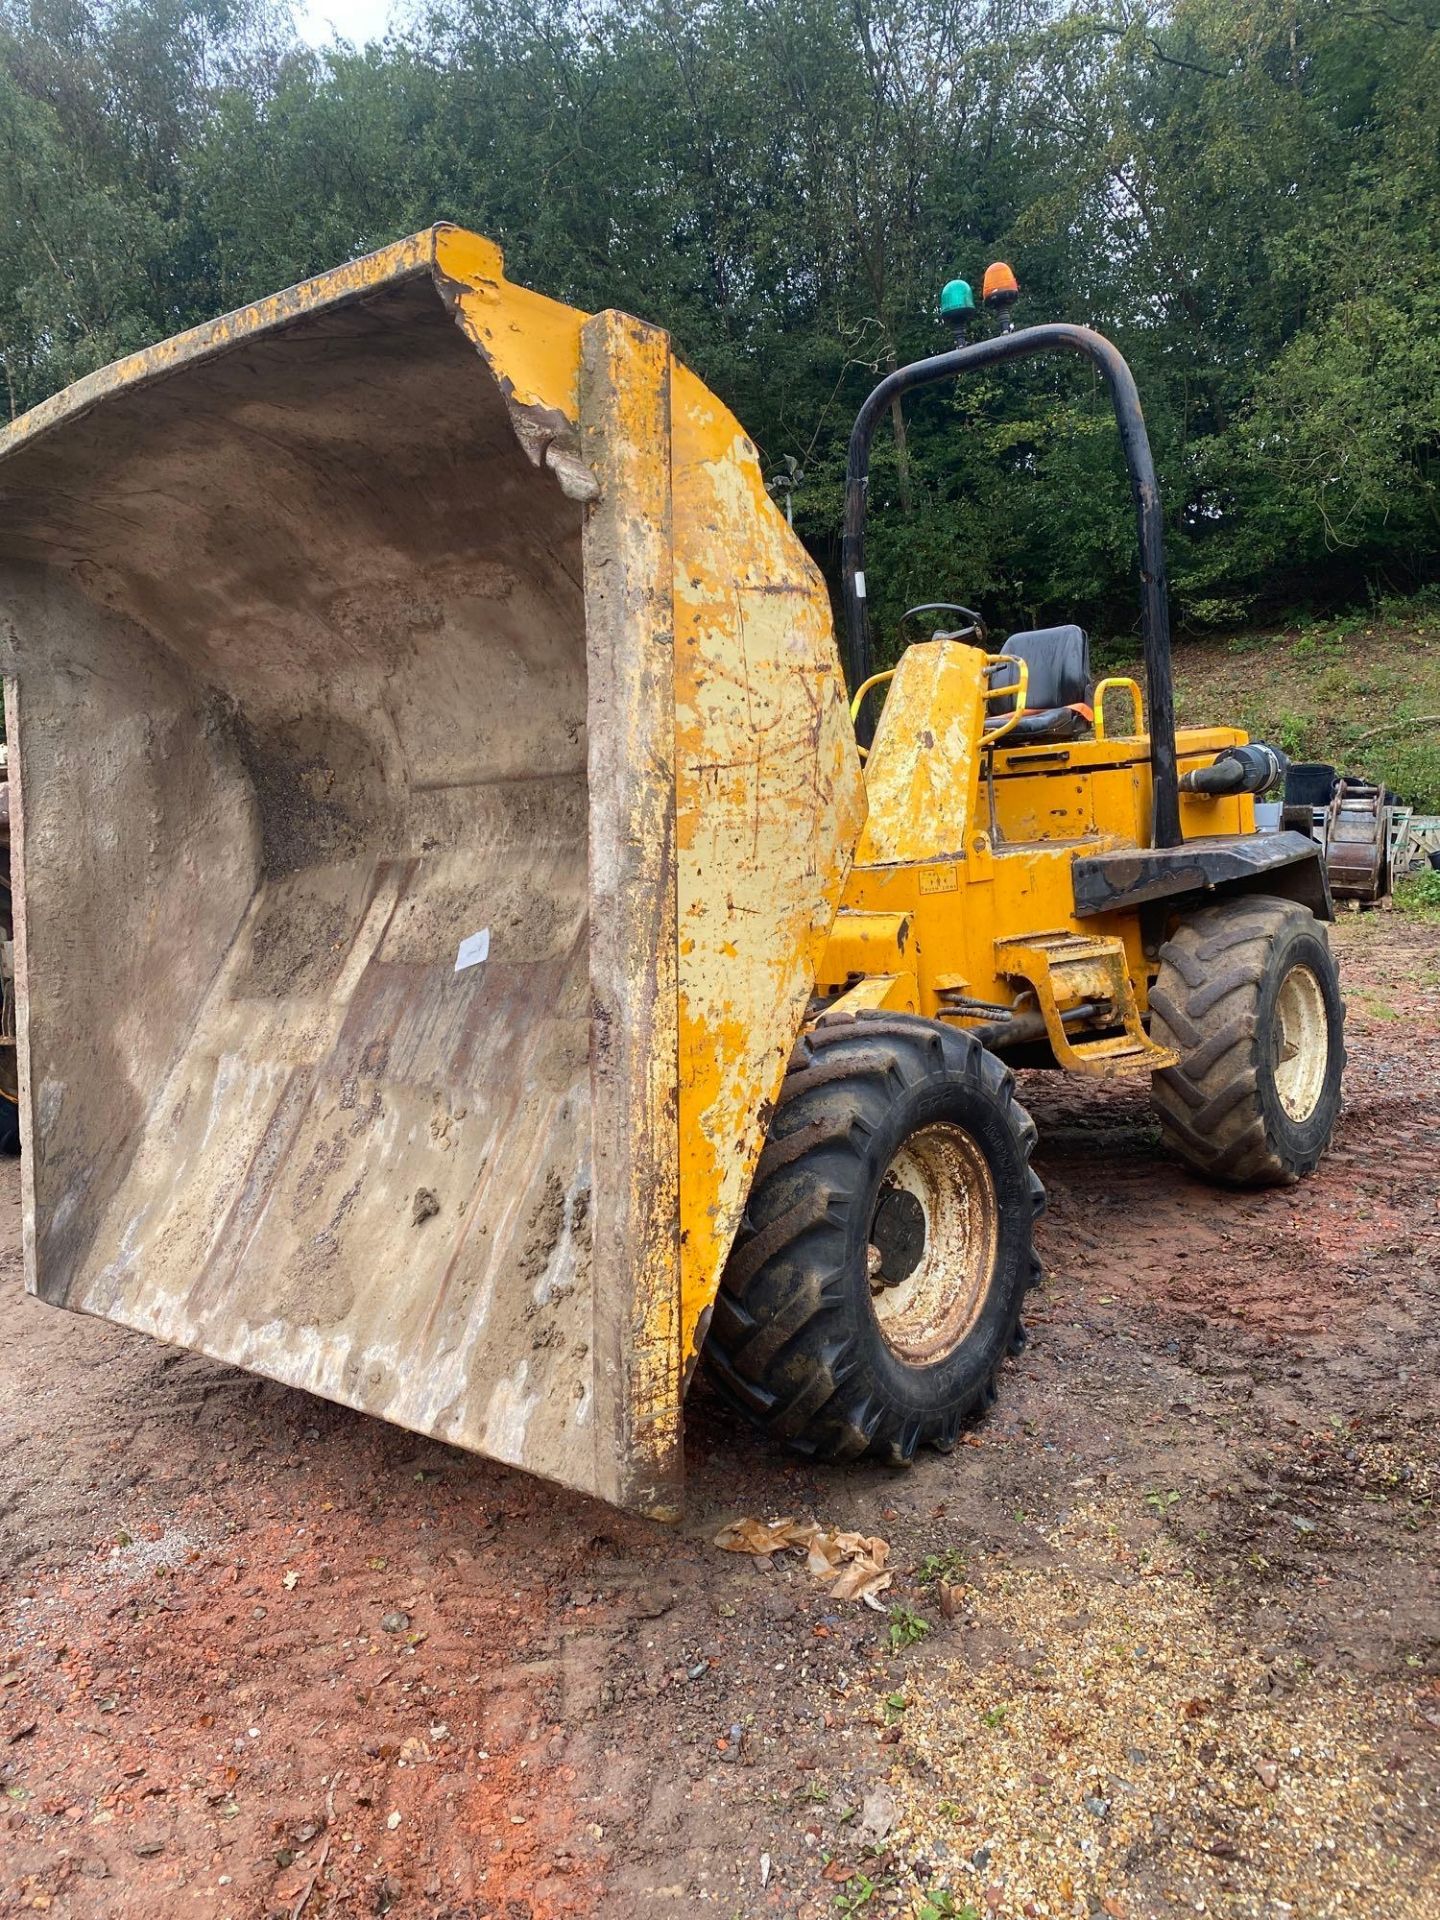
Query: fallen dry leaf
{"type": "Point", "coordinates": [854, 1564]}
{"type": "Point", "coordinates": [763, 1536]}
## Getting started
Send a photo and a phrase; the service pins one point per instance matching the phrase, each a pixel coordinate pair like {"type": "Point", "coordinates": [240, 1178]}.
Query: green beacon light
{"type": "Point", "coordinates": [957, 306]}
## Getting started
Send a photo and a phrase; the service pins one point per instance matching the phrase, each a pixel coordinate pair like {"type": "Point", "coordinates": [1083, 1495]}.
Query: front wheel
{"type": "Point", "coordinates": [877, 1279]}
{"type": "Point", "coordinates": [1248, 995]}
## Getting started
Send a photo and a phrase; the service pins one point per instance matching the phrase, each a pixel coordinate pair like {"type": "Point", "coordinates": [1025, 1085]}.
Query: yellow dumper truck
{"type": "Point", "coordinates": [468, 962]}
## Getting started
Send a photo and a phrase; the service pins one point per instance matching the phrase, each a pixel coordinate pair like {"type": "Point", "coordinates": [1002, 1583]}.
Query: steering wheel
{"type": "Point", "coordinates": [975, 629]}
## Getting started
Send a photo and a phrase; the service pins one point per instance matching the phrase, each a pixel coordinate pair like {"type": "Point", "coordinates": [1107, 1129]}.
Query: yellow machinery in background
{"type": "Point", "coordinates": [465, 968]}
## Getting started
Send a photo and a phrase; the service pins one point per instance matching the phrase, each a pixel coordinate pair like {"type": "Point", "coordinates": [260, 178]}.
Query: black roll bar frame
{"type": "Point", "coordinates": [1135, 442]}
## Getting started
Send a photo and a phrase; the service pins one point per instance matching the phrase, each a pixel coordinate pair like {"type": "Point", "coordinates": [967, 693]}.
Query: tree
{"type": "Point", "coordinates": [1246, 198]}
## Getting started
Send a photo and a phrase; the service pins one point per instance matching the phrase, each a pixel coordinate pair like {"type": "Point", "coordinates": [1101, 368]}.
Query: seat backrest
{"type": "Point", "coordinates": [1059, 663]}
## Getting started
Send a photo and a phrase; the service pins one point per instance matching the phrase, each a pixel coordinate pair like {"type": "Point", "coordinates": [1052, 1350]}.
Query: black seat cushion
{"type": "Point", "coordinates": [1046, 723]}
{"type": "Point", "coordinates": [1059, 663]}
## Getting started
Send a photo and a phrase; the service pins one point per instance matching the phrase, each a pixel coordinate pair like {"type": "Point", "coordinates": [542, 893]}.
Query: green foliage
{"type": "Point", "coordinates": [1409, 766]}
{"type": "Point", "coordinates": [1247, 199]}
{"type": "Point", "coordinates": [939, 1903]}
{"type": "Point", "coordinates": [1420, 894]}
{"type": "Point", "coordinates": [1289, 734]}
{"type": "Point", "coordinates": [948, 1564]}
{"type": "Point", "coordinates": [857, 1895]}
{"type": "Point", "coordinates": [906, 1628]}
{"type": "Point", "coordinates": [1360, 694]}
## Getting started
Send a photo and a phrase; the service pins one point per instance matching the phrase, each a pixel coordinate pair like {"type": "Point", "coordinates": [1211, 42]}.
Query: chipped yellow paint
{"type": "Point", "coordinates": [895, 992]}
{"type": "Point", "coordinates": [769, 801]}
{"type": "Point", "coordinates": [531, 342]}
{"type": "Point", "coordinates": [924, 765]}
{"type": "Point", "coordinates": [864, 943]}
{"type": "Point", "coordinates": [769, 795]}
{"type": "Point", "coordinates": [1066, 970]}
{"type": "Point", "coordinates": [975, 860]}
{"type": "Point", "coordinates": [338, 287]}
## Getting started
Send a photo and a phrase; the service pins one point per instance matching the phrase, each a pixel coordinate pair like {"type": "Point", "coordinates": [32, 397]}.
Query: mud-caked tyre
{"type": "Point", "coordinates": [877, 1279]}
{"type": "Point", "coordinates": [1248, 994]}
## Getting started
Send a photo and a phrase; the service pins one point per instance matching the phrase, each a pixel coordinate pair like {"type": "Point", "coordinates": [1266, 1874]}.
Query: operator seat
{"type": "Point", "coordinates": [1057, 696]}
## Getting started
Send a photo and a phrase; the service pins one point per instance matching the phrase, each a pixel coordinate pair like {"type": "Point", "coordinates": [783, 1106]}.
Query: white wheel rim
{"type": "Point", "coordinates": [1302, 1043]}
{"type": "Point", "coordinates": [925, 1310]}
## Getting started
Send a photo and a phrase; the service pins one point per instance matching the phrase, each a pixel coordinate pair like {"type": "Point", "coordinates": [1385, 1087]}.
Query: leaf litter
{"type": "Point", "coordinates": [853, 1564]}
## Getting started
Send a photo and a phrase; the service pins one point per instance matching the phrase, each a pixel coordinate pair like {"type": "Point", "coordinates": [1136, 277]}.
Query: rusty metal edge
{"type": "Point", "coordinates": [20, 933]}
{"type": "Point", "coordinates": [372, 273]}
{"type": "Point", "coordinates": [634, 1065]}
{"type": "Point", "coordinates": [1113, 882]}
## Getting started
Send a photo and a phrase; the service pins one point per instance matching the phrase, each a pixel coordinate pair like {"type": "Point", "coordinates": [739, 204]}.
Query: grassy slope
{"type": "Point", "coordinates": [1311, 689]}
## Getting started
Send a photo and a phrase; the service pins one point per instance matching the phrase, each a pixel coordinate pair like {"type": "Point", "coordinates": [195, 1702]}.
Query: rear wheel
{"type": "Point", "coordinates": [1248, 994]}
{"type": "Point", "coordinates": [877, 1279]}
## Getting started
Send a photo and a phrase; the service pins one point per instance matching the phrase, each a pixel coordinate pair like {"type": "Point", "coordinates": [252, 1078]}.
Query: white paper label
{"type": "Point", "coordinates": [859, 583]}
{"type": "Point", "coordinates": [474, 948]}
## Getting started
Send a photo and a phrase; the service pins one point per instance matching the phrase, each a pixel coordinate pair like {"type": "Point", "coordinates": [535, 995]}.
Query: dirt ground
{"type": "Point", "coordinates": [1163, 1636]}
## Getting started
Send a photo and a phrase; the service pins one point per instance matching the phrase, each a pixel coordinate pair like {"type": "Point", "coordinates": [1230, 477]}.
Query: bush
{"type": "Point", "coordinates": [1420, 894]}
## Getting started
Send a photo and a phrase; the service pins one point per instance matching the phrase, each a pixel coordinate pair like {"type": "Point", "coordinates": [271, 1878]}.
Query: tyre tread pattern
{"type": "Point", "coordinates": [779, 1346]}
{"type": "Point", "coordinates": [1210, 1107]}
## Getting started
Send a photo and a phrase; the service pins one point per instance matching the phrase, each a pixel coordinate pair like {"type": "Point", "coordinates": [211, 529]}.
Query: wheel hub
{"type": "Point", "coordinates": [1302, 1043]}
{"type": "Point", "coordinates": [934, 1237]}
{"type": "Point", "coordinates": [897, 1237]}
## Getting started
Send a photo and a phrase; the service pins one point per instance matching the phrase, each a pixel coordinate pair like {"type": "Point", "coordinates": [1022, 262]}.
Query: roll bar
{"type": "Point", "coordinates": [1154, 606]}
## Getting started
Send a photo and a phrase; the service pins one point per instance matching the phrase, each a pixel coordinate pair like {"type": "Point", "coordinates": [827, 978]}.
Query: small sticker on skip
{"type": "Point", "coordinates": [474, 948]}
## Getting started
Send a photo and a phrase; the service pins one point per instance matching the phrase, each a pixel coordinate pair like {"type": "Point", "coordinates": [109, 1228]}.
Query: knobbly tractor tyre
{"type": "Point", "coordinates": [1248, 995]}
{"type": "Point", "coordinates": [877, 1279]}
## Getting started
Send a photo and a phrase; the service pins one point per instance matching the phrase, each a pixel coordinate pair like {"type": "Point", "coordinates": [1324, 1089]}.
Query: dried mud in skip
{"type": "Point", "coordinates": [263, 1657]}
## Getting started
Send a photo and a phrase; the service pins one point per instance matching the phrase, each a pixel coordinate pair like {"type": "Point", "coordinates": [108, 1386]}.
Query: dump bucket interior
{"type": "Point", "coordinates": [362, 808]}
